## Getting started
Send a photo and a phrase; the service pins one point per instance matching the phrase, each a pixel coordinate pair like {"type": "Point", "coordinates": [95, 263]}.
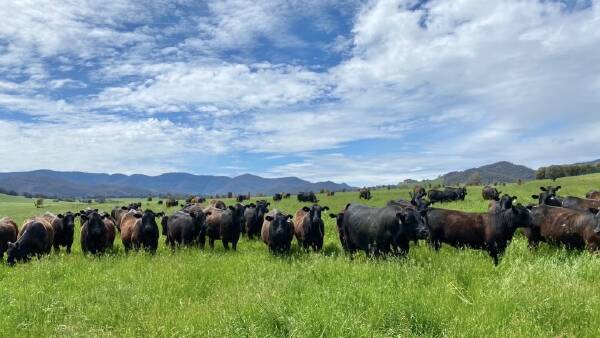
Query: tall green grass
{"type": "Point", "coordinates": [545, 293]}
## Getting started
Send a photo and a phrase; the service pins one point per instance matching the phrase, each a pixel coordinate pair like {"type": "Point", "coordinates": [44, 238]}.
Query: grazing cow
{"type": "Point", "coordinates": [254, 216]}
{"type": "Point", "coordinates": [139, 230]}
{"type": "Point", "coordinates": [277, 197]}
{"type": "Point", "coordinates": [581, 204]}
{"type": "Point", "coordinates": [277, 232]}
{"type": "Point", "coordinates": [455, 194]}
{"type": "Point", "coordinates": [339, 222]}
{"type": "Point", "coordinates": [491, 231]}
{"type": "Point", "coordinates": [593, 195]}
{"type": "Point", "coordinates": [490, 193]}
{"type": "Point", "coordinates": [330, 193]}
{"type": "Point", "coordinates": [286, 195]}
{"type": "Point", "coordinates": [171, 203]}
{"type": "Point", "coordinates": [224, 225]}
{"type": "Point", "coordinates": [436, 196]}
{"type": "Point", "coordinates": [36, 238]}
{"type": "Point", "coordinates": [418, 192]}
{"type": "Point", "coordinates": [561, 226]}
{"type": "Point", "coordinates": [183, 228]}
{"type": "Point", "coordinates": [385, 230]}
{"type": "Point", "coordinates": [309, 227]}
{"type": "Point", "coordinates": [548, 196]}
{"type": "Point", "coordinates": [364, 193]}
{"type": "Point", "coordinates": [160, 202]}
{"type": "Point", "coordinates": [8, 234]}
{"type": "Point", "coordinates": [217, 204]}
{"type": "Point", "coordinates": [64, 227]}
{"type": "Point", "coordinates": [241, 198]}
{"type": "Point", "coordinates": [97, 232]}
{"type": "Point", "coordinates": [307, 197]}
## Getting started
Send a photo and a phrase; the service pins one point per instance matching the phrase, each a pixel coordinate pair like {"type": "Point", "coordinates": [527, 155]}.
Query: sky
{"type": "Point", "coordinates": [361, 92]}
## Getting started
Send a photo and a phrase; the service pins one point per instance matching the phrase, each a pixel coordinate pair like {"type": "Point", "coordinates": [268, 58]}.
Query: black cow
{"type": "Point", "coordinates": [307, 197]}
{"type": "Point", "coordinates": [491, 231]}
{"type": "Point", "coordinates": [379, 231]}
{"type": "Point", "coordinates": [364, 193]}
{"type": "Point", "coordinates": [36, 238]}
{"type": "Point", "coordinates": [241, 198]}
{"type": "Point", "coordinates": [455, 194]}
{"type": "Point", "coordinates": [183, 228]}
{"type": "Point", "coordinates": [490, 193]}
{"type": "Point", "coordinates": [225, 225]}
{"type": "Point", "coordinates": [64, 227]}
{"type": "Point", "coordinates": [548, 196]}
{"type": "Point", "coordinates": [254, 216]}
{"type": "Point", "coordinates": [339, 222]}
{"type": "Point", "coordinates": [564, 227]}
{"type": "Point", "coordinates": [277, 197]}
{"type": "Point", "coordinates": [277, 232]}
{"type": "Point", "coordinates": [97, 232]}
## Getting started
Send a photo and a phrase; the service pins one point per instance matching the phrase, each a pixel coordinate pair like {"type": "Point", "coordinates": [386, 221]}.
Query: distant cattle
{"type": "Point", "coordinates": [217, 204]}
{"type": "Point", "coordinates": [491, 231]}
{"type": "Point", "coordinates": [309, 227]}
{"type": "Point", "coordinates": [160, 202]}
{"type": "Point", "coordinates": [548, 196]}
{"type": "Point", "coordinates": [254, 216]}
{"type": "Point", "coordinates": [593, 195]}
{"type": "Point", "coordinates": [64, 228]}
{"type": "Point", "coordinates": [194, 208]}
{"type": "Point", "coordinates": [364, 193]}
{"type": "Point", "coordinates": [581, 204]}
{"type": "Point", "coordinates": [566, 227]}
{"type": "Point", "coordinates": [35, 239]}
{"type": "Point", "coordinates": [381, 231]}
{"type": "Point", "coordinates": [286, 195]}
{"type": "Point", "coordinates": [8, 234]}
{"type": "Point", "coordinates": [97, 232]}
{"type": "Point", "coordinates": [307, 197]}
{"type": "Point", "coordinates": [419, 192]}
{"type": "Point", "coordinates": [277, 197]}
{"type": "Point", "coordinates": [140, 231]}
{"type": "Point", "coordinates": [330, 193]}
{"type": "Point", "coordinates": [241, 198]}
{"type": "Point", "coordinates": [224, 225]}
{"type": "Point", "coordinates": [184, 228]}
{"type": "Point", "coordinates": [490, 193]}
{"type": "Point", "coordinates": [277, 232]}
{"type": "Point", "coordinates": [436, 196]}
{"type": "Point", "coordinates": [448, 195]}
{"type": "Point", "coordinates": [171, 203]}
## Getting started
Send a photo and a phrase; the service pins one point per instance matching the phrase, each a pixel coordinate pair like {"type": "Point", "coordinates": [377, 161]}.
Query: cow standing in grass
{"type": "Point", "coordinates": [490, 193]}
{"type": "Point", "coordinates": [140, 231]}
{"type": "Point", "coordinates": [277, 232]}
{"type": "Point", "coordinates": [35, 239]}
{"type": "Point", "coordinates": [184, 228]}
{"type": "Point", "coordinates": [254, 216]}
{"type": "Point", "coordinates": [8, 234]}
{"type": "Point", "coordinates": [224, 225]}
{"type": "Point", "coordinates": [98, 232]}
{"type": "Point", "coordinates": [309, 227]}
{"type": "Point", "coordinates": [64, 228]}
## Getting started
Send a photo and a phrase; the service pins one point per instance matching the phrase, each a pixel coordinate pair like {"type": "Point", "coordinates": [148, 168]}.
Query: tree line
{"type": "Point", "coordinates": [557, 171]}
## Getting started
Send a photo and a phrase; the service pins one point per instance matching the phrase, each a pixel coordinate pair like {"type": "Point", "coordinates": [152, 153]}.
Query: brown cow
{"type": "Point", "coordinates": [309, 227]}
{"type": "Point", "coordinates": [140, 230]}
{"type": "Point", "coordinates": [580, 204]}
{"type": "Point", "coordinates": [217, 204]}
{"type": "Point", "coordinates": [224, 225]}
{"type": "Point", "coordinates": [36, 238]}
{"type": "Point", "coordinates": [561, 226]}
{"type": "Point", "coordinates": [97, 232]}
{"type": "Point", "coordinates": [593, 195]}
{"type": "Point", "coordinates": [490, 193]}
{"type": "Point", "coordinates": [8, 234]}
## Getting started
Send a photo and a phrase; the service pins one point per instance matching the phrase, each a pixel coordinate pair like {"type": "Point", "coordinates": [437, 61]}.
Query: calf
{"type": "Point", "coordinates": [254, 216]}
{"type": "Point", "coordinates": [491, 231]}
{"type": "Point", "coordinates": [277, 232]}
{"type": "Point", "coordinates": [139, 230]}
{"type": "Point", "coordinates": [224, 225]}
{"type": "Point", "coordinates": [385, 230]}
{"type": "Point", "coordinates": [490, 193]}
{"type": "Point", "coordinates": [36, 238]}
{"type": "Point", "coordinates": [97, 232]}
{"type": "Point", "coordinates": [8, 234]}
{"type": "Point", "coordinates": [561, 226]}
{"type": "Point", "coordinates": [64, 227]}
{"type": "Point", "coordinates": [183, 228]}
{"type": "Point", "coordinates": [580, 204]}
{"type": "Point", "coordinates": [309, 227]}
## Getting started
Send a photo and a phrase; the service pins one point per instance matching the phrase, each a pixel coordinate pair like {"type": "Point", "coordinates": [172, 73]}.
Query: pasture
{"type": "Point", "coordinates": [190, 292]}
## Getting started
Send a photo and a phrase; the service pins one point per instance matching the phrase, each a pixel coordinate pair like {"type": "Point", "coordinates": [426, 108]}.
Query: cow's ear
{"type": "Point", "coordinates": [289, 216]}
{"type": "Point", "coordinates": [269, 218]}
{"type": "Point", "coordinates": [594, 210]}
{"type": "Point", "coordinates": [160, 214]}
{"type": "Point", "coordinates": [325, 208]}
{"type": "Point", "coordinates": [137, 215]}
{"type": "Point", "coordinates": [333, 215]}
{"type": "Point", "coordinates": [76, 214]}
{"type": "Point", "coordinates": [306, 209]}
{"type": "Point", "coordinates": [558, 188]}
{"type": "Point", "coordinates": [60, 216]}
{"type": "Point", "coordinates": [543, 189]}
{"type": "Point", "coordinates": [84, 217]}
{"type": "Point", "coordinates": [535, 196]}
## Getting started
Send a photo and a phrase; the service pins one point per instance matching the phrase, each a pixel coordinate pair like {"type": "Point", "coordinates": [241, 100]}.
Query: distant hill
{"type": "Point", "coordinates": [496, 172]}
{"type": "Point", "coordinates": [80, 184]}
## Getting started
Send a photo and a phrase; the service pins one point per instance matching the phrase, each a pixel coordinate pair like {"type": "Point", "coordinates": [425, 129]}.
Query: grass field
{"type": "Point", "coordinates": [546, 293]}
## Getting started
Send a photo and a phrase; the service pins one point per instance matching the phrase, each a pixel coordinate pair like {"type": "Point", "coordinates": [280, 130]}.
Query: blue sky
{"type": "Point", "coordinates": [363, 92]}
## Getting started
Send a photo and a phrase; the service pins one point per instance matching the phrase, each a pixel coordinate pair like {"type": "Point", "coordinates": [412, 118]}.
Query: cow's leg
{"type": "Point", "coordinates": [225, 244]}
{"type": "Point", "coordinates": [56, 248]}
{"type": "Point", "coordinates": [234, 245]}
{"type": "Point", "coordinates": [211, 242]}
{"type": "Point", "coordinates": [69, 248]}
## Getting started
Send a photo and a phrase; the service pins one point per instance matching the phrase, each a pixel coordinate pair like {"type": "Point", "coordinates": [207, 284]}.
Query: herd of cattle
{"type": "Point", "coordinates": [569, 221]}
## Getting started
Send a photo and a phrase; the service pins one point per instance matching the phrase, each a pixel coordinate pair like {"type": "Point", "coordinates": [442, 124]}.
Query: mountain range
{"type": "Point", "coordinates": [497, 172]}
{"type": "Point", "coordinates": [80, 184]}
